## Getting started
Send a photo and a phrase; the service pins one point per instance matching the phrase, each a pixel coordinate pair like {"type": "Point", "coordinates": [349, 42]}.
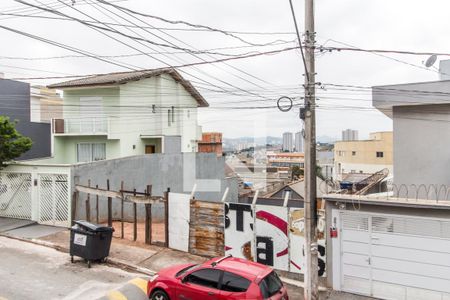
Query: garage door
{"type": "Point", "coordinates": [395, 257]}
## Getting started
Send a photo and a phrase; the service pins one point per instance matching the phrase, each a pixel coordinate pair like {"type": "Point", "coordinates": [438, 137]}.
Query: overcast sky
{"type": "Point", "coordinates": [385, 24]}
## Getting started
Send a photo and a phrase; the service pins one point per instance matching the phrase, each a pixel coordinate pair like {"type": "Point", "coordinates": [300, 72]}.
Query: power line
{"type": "Point", "coordinates": [180, 22]}
{"type": "Point", "coordinates": [129, 55]}
{"type": "Point", "coordinates": [299, 39]}
{"type": "Point", "coordinates": [112, 30]}
{"type": "Point", "coordinates": [158, 28]}
{"type": "Point", "coordinates": [173, 37]}
{"type": "Point", "coordinates": [60, 45]}
{"type": "Point", "coordinates": [200, 58]}
{"type": "Point", "coordinates": [271, 52]}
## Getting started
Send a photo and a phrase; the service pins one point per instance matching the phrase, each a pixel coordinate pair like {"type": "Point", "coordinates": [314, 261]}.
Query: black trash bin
{"type": "Point", "coordinates": [90, 241]}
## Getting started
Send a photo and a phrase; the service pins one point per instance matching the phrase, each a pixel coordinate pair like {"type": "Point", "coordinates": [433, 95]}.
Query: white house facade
{"type": "Point", "coordinates": [123, 114]}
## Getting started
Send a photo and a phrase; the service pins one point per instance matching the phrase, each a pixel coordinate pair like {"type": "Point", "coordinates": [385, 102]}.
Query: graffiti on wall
{"type": "Point", "coordinates": [272, 240]}
{"type": "Point", "coordinates": [297, 241]}
{"type": "Point", "coordinates": [270, 235]}
{"type": "Point", "coordinates": [239, 235]}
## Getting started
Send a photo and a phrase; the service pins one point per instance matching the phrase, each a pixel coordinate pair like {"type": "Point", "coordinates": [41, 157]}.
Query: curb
{"type": "Point", "coordinates": [130, 267]}
{"type": "Point", "coordinates": [300, 284]}
{"type": "Point", "coordinates": [111, 261]}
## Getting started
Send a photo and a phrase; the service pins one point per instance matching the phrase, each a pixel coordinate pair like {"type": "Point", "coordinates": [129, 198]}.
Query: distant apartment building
{"type": "Point", "coordinates": [325, 160]}
{"type": "Point", "coordinates": [29, 107]}
{"type": "Point", "coordinates": [299, 142]}
{"type": "Point", "coordinates": [286, 159]}
{"type": "Point", "coordinates": [211, 142]}
{"type": "Point", "coordinates": [287, 142]}
{"type": "Point", "coordinates": [350, 135]}
{"type": "Point", "coordinates": [365, 156]}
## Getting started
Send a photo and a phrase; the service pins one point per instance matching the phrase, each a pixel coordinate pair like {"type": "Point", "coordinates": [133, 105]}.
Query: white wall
{"type": "Point", "coordinates": [421, 145]}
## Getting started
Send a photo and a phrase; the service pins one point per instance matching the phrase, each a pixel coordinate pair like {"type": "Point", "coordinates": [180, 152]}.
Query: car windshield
{"type": "Point", "coordinates": [270, 285]}
{"type": "Point", "coordinates": [183, 271]}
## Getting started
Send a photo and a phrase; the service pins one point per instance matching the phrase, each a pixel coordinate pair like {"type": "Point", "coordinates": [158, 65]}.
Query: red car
{"type": "Point", "coordinates": [217, 279]}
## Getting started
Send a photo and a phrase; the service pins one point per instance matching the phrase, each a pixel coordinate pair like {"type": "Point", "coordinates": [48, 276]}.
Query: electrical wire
{"type": "Point", "coordinates": [227, 33]}
{"type": "Point", "coordinates": [299, 40]}
{"type": "Point", "coordinates": [70, 48]}
{"type": "Point", "coordinates": [196, 56]}
{"type": "Point", "coordinates": [271, 52]}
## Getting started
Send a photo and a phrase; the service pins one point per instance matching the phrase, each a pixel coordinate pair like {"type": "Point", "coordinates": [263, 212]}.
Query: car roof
{"type": "Point", "coordinates": [245, 268]}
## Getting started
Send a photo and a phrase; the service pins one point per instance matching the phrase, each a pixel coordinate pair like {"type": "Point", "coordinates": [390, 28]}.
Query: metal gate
{"type": "Point", "coordinates": [395, 257]}
{"type": "Point", "coordinates": [53, 199]}
{"type": "Point", "coordinates": [40, 197]}
{"type": "Point", "coordinates": [15, 195]}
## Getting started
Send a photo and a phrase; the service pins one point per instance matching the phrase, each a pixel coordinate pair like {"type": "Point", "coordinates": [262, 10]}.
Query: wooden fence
{"type": "Point", "coordinates": [206, 232]}
{"type": "Point", "coordinates": [124, 196]}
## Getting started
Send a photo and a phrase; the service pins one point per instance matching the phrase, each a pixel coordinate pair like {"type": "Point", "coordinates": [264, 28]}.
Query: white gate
{"type": "Point", "coordinates": [395, 257]}
{"type": "Point", "coordinates": [53, 199]}
{"type": "Point", "coordinates": [15, 195]}
{"type": "Point", "coordinates": [41, 197]}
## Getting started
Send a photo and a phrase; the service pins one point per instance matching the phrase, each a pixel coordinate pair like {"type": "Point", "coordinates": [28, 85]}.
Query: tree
{"type": "Point", "coordinates": [12, 143]}
{"type": "Point", "coordinates": [296, 172]}
{"type": "Point", "coordinates": [319, 172]}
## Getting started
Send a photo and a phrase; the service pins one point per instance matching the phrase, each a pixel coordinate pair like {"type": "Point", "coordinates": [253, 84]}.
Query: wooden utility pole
{"type": "Point", "coordinates": [311, 274]}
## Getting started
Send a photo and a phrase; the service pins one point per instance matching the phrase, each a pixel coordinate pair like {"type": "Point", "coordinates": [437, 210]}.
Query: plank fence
{"type": "Point", "coordinates": [206, 232]}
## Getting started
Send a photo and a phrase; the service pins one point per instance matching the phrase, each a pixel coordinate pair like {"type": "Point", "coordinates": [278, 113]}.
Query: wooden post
{"type": "Point", "coordinates": [96, 206]}
{"type": "Point", "coordinates": [135, 219]}
{"type": "Point", "coordinates": [148, 215]}
{"type": "Point", "coordinates": [88, 204]}
{"type": "Point", "coordinates": [109, 206]}
{"type": "Point", "coordinates": [121, 212]}
{"type": "Point", "coordinates": [148, 218]}
{"type": "Point", "coordinates": [166, 217]}
{"type": "Point", "coordinates": [74, 207]}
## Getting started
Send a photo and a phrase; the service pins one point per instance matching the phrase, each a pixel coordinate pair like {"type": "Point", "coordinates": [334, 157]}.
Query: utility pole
{"type": "Point", "coordinates": [311, 291]}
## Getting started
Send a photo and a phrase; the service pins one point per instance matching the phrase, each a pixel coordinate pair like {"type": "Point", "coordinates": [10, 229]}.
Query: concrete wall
{"type": "Point", "coordinates": [172, 144]}
{"type": "Point", "coordinates": [15, 104]}
{"type": "Point", "coordinates": [162, 171]}
{"type": "Point", "coordinates": [421, 145]}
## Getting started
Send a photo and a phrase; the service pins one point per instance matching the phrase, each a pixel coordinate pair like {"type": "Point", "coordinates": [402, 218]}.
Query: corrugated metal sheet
{"type": "Point", "coordinates": [206, 236]}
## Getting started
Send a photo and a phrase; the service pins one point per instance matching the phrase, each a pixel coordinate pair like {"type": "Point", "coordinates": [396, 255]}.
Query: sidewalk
{"type": "Point", "coordinates": [137, 256]}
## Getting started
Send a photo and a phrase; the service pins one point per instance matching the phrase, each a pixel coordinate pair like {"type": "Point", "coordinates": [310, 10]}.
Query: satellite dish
{"type": "Point", "coordinates": [431, 60]}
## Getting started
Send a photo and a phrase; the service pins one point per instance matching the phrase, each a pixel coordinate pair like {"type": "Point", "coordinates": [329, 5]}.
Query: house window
{"type": "Point", "coordinates": [188, 113]}
{"type": "Point", "coordinates": [87, 152]}
{"type": "Point", "coordinates": [380, 154]}
{"type": "Point", "coordinates": [173, 114]}
{"type": "Point", "coordinates": [353, 153]}
{"type": "Point", "coordinates": [153, 108]}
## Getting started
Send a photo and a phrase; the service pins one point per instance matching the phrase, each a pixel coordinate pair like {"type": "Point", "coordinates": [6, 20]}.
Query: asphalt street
{"type": "Point", "coordinates": [29, 271]}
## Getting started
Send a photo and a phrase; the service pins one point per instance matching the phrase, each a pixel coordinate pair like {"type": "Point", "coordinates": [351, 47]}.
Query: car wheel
{"type": "Point", "coordinates": [159, 295]}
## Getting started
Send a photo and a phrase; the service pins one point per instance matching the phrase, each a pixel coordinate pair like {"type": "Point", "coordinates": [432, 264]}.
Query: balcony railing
{"type": "Point", "coordinates": [83, 126]}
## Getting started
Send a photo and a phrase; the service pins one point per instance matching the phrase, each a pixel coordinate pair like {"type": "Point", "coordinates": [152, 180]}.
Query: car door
{"type": "Point", "coordinates": [234, 286]}
{"type": "Point", "coordinates": [200, 284]}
